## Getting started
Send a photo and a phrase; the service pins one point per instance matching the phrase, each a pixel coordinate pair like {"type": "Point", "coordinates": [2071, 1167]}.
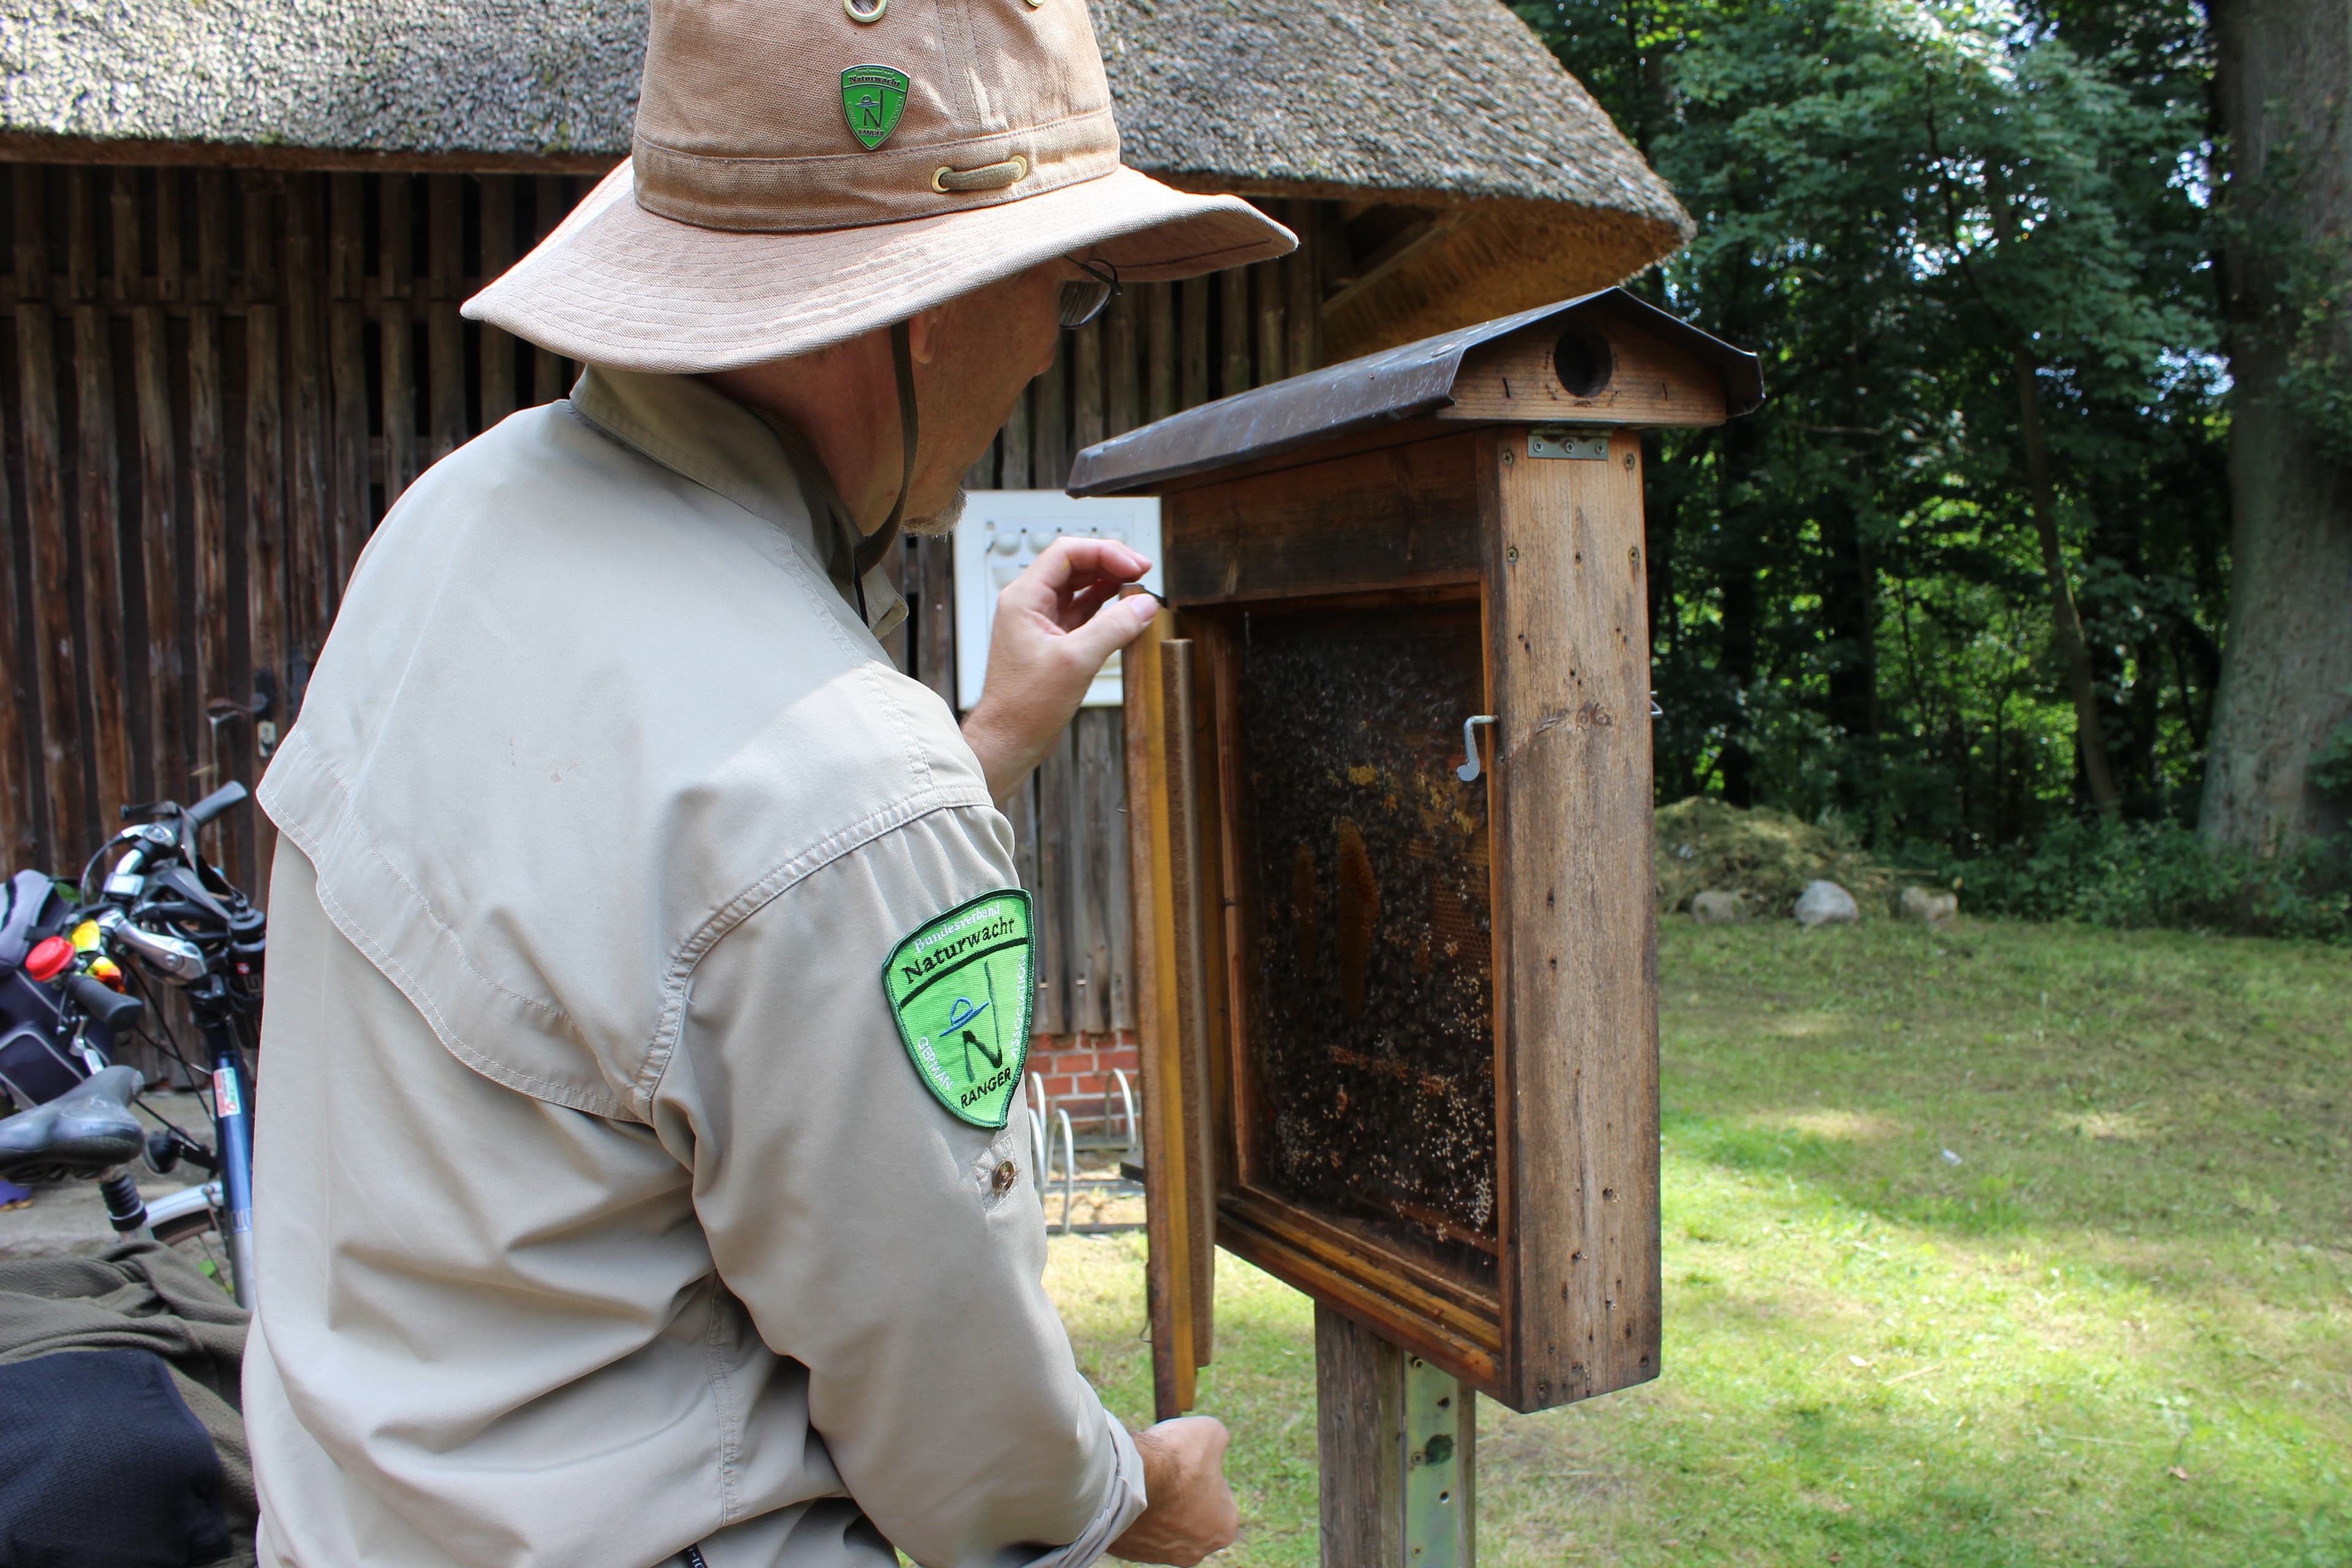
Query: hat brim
{"type": "Point", "coordinates": [616, 285]}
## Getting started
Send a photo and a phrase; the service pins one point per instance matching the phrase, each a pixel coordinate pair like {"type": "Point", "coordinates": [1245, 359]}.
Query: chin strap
{"type": "Point", "coordinates": [874, 546]}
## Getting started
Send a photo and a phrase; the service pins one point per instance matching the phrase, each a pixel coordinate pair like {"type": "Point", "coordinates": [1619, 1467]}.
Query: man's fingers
{"type": "Point", "coordinates": [1084, 605]}
{"type": "Point", "coordinates": [1112, 628]}
{"type": "Point", "coordinates": [1075, 558]}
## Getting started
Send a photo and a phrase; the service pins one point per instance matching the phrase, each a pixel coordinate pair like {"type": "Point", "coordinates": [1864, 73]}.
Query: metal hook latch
{"type": "Point", "coordinates": [1468, 771]}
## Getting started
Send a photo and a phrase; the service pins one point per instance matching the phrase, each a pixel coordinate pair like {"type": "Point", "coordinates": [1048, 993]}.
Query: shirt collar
{"type": "Point", "coordinates": [693, 430]}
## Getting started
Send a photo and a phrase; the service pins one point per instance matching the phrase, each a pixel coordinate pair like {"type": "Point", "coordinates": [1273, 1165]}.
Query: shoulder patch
{"type": "Point", "coordinates": [962, 989]}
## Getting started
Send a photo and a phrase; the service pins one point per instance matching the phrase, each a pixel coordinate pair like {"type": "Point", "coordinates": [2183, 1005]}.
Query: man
{"type": "Point", "coordinates": [649, 981]}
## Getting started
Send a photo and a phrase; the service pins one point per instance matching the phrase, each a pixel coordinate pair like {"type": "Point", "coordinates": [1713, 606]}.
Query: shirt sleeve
{"type": "Point", "coordinates": [870, 1234]}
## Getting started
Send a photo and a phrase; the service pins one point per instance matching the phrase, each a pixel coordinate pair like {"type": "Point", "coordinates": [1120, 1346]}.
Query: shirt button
{"type": "Point", "coordinates": [1006, 1177]}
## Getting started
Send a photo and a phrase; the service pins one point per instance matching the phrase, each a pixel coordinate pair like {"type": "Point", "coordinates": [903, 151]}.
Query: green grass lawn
{"type": "Point", "coordinates": [2111, 1325]}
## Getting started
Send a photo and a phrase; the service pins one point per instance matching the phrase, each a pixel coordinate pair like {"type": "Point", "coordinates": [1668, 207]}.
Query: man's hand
{"type": "Point", "coordinates": [1055, 625]}
{"type": "Point", "coordinates": [1191, 1512]}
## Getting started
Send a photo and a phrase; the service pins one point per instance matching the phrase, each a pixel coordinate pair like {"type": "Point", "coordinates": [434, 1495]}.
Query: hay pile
{"type": "Point", "coordinates": [1767, 855]}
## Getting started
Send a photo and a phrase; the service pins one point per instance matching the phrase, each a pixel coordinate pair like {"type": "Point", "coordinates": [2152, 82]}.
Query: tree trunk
{"type": "Point", "coordinates": [2283, 84]}
{"type": "Point", "coordinates": [2090, 739]}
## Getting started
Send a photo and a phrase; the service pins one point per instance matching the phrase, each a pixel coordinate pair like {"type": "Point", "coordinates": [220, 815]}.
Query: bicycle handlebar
{"type": "Point", "coordinates": [220, 800]}
{"type": "Point", "coordinates": [102, 1003]}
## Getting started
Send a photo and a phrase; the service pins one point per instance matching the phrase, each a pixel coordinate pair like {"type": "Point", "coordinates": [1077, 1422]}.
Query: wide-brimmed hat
{"type": "Point", "coordinates": [806, 171]}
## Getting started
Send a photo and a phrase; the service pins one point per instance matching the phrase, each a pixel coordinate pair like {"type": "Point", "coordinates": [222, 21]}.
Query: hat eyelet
{"type": "Point", "coordinates": [862, 15]}
{"type": "Point", "coordinates": [949, 182]}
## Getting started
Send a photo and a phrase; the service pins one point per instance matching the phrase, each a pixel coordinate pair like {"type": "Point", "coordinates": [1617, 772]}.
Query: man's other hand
{"type": "Point", "coordinates": [1191, 1512]}
{"type": "Point", "coordinates": [1055, 625]}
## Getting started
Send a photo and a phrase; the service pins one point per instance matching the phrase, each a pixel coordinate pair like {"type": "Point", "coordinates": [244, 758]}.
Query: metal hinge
{"type": "Point", "coordinates": [1561, 441]}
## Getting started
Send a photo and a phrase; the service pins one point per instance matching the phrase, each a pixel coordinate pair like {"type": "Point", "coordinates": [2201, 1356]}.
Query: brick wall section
{"type": "Point", "coordinates": [1075, 1070]}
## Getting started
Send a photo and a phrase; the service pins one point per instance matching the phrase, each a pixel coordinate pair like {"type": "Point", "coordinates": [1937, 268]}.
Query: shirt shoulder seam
{"type": "Point", "coordinates": [778, 881]}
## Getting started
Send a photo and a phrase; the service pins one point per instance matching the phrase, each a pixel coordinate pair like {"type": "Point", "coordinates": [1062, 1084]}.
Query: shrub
{"type": "Point", "coordinates": [2107, 872]}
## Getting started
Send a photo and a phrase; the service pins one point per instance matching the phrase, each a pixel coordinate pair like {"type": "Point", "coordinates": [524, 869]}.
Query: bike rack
{"type": "Point", "coordinates": [1127, 1109]}
{"type": "Point", "coordinates": [1069, 1166]}
{"type": "Point", "coordinates": [1040, 1150]}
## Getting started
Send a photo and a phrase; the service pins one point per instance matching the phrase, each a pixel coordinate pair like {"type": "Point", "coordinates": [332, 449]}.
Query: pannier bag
{"type": "Point", "coordinates": [35, 1065]}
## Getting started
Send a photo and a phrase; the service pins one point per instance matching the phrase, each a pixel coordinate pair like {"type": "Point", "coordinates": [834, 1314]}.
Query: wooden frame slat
{"type": "Point", "coordinates": [1056, 883]}
{"type": "Point", "coordinates": [98, 513]}
{"type": "Point", "coordinates": [498, 349]}
{"type": "Point", "coordinates": [159, 536]}
{"type": "Point", "coordinates": [310, 513]}
{"type": "Point", "coordinates": [22, 837]}
{"type": "Point", "coordinates": [264, 512]}
{"type": "Point", "coordinates": [397, 341]}
{"type": "Point", "coordinates": [223, 736]}
{"type": "Point", "coordinates": [445, 337]}
{"type": "Point", "coordinates": [1169, 1219]}
{"type": "Point", "coordinates": [1234, 330]}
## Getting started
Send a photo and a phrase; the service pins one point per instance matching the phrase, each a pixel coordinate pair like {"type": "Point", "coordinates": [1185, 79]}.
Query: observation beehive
{"type": "Point", "coordinates": [1401, 1024]}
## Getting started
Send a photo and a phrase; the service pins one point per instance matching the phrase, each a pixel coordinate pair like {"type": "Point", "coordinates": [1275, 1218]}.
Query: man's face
{"type": "Point", "coordinates": [982, 348]}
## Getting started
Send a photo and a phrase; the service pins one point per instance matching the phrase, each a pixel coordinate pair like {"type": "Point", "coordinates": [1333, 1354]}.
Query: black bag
{"type": "Point", "coordinates": [121, 1440]}
{"type": "Point", "coordinates": [35, 1065]}
{"type": "Point", "coordinates": [103, 1466]}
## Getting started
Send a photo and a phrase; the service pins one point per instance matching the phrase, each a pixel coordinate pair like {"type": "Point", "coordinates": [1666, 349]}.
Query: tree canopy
{"type": "Point", "coordinates": [1963, 577]}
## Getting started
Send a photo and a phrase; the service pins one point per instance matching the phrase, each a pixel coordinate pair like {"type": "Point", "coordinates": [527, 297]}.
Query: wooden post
{"type": "Point", "coordinates": [1234, 330]}
{"type": "Point", "coordinates": [551, 200]}
{"type": "Point", "coordinates": [1396, 1441]}
{"type": "Point", "coordinates": [1012, 444]}
{"type": "Point", "coordinates": [1301, 274]}
{"type": "Point", "coordinates": [20, 835]}
{"type": "Point", "coordinates": [1160, 368]}
{"type": "Point", "coordinates": [265, 506]}
{"type": "Point", "coordinates": [1049, 422]}
{"type": "Point", "coordinates": [100, 511]}
{"type": "Point", "coordinates": [445, 337]}
{"type": "Point", "coordinates": [396, 273]}
{"type": "Point", "coordinates": [498, 349]}
{"type": "Point", "coordinates": [1265, 287]}
{"type": "Point", "coordinates": [1086, 387]}
{"type": "Point", "coordinates": [224, 731]}
{"type": "Point", "coordinates": [310, 516]}
{"type": "Point", "coordinates": [1056, 883]}
{"type": "Point", "coordinates": [1120, 379]}
{"type": "Point", "coordinates": [934, 579]}
{"type": "Point", "coordinates": [167, 684]}
{"type": "Point", "coordinates": [347, 374]}
{"type": "Point", "coordinates": [1193, 388]}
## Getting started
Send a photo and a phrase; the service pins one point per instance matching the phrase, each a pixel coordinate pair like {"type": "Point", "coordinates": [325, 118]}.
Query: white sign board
{"type": "Point", "coordinates": [1001, 532]}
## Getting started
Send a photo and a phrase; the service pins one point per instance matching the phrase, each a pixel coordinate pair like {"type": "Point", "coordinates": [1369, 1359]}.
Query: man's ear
{"type": "Point", "coordinates": [923, 334]}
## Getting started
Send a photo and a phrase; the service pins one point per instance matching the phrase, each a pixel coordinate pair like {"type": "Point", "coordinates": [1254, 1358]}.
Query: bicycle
{"type": "Point", "coordinates": [162, 915]}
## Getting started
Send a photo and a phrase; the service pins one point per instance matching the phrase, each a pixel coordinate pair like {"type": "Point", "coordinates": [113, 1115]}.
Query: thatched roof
{"type": "Point", "coordinates": [1436, 96]}
{"type": "Point", "coordinates": [1435, 102]}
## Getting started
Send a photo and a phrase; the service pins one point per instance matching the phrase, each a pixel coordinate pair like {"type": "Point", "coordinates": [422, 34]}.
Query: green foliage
{"type": "Point", "coordinates": [2330, 769]}
{"type": "Point", "coordinates": [2106, 872]}
{"type": "Point", "coordinates": [1915, 213]}
{"type": "Point", "coordinates": [2113, 1333]}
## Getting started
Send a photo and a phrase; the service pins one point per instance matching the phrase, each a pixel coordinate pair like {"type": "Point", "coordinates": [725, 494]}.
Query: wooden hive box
{"type": "Point", "coordinates": [1400, 1026]}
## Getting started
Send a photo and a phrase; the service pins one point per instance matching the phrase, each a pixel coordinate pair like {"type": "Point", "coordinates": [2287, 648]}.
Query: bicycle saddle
{"type": "Point", "coordinates": [84, 1132]}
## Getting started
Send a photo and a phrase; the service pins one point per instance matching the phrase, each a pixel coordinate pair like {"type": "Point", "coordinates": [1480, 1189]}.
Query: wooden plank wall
{"type": "Point", "coordinates": [215, 381]}
{"type": "Point", "coordinates": [1159, 348]}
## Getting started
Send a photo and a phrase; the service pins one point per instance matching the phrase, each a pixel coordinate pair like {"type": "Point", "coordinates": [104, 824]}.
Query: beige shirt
{"type": "Point", "coordinates": [600, 1211]}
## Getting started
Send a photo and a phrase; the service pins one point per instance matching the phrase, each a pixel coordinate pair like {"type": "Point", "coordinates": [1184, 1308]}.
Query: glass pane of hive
{"type": "Point", "coordinates": [1368, 1067]}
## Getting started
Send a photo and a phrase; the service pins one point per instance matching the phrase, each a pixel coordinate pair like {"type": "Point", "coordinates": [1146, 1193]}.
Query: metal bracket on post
{"type": "Point", "coordinates": [1397, 1441]}
{"type": "Point", "coordinates": [1438, 1517]}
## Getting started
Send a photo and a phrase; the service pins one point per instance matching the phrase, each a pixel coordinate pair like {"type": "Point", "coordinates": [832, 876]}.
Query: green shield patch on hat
{"type": "Point", "coordinates": [873, 97]}
{"type": "Point", "coordinates": [962, 989]}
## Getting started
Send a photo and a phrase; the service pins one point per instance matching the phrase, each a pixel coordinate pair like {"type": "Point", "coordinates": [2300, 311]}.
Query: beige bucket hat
{"type": "Point", "coordinates": [806, 171]}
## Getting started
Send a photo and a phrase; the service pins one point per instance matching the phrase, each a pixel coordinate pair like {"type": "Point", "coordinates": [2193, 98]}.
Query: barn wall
{"type": "Point", "coordinates": [213, 384]}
